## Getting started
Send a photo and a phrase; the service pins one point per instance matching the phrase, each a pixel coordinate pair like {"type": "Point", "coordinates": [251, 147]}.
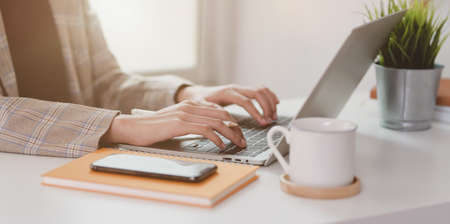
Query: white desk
{"type": "Point", "coordinates": [402, 175]}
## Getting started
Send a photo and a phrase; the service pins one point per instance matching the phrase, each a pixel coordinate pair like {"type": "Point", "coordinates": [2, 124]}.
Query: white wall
{"type": "Point", "coordinates": [159, 34]}
{"type": "Point", "coordinates": [287, 44]}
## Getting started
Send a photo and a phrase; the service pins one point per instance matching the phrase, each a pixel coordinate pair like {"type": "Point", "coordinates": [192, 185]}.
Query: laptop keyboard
{"type": "Point", "coordinates": [255, 135]}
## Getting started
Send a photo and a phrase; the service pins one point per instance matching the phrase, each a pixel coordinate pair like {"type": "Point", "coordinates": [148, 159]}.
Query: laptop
{"type": "Point", "coordinates": [327, 99]}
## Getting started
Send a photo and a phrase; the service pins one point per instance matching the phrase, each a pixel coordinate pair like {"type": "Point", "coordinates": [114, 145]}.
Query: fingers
{"type": "Point", "coordinates": [247, 104]}
{"type": "Point", "coordinates": [274, 101]}
{"type": "Point", "coordinates": [266, 104]}
{"type": "Point", "coordinates": [235, 127]}
{"type": "Point", "coordinates": [199, 102]}
{"type": "Point", "coordinates": [265, 98]}
{"type": "Point", "coordinates": [205, 131]}
{"type": "Point", "coordinates": [273, 96]}
{"type": "Point", "coordinates": [208, 111]}
{"type": "Point", "coordinates": [238, 130]}
{"type": "Point", "coordinates": [231, 131]}
{"type": "Point", "coordinates": [204, 103]}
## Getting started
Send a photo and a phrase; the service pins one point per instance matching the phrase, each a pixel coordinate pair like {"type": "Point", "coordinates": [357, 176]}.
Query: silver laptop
{"type": "Point", "coordinates": [326, 100]}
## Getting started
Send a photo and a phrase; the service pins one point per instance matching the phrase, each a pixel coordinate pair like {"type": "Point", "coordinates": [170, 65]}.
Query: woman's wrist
{"type": "Point", "coordinates": [183, 93]}
{"type": "Point", "coordinates": [115, 132]}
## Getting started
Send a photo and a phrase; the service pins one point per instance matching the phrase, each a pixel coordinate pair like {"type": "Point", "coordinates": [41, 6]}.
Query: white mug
{"type": "Point", "coordinates": [321, 151]}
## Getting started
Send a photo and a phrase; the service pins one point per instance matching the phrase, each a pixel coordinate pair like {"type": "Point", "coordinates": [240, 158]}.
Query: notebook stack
{"type": "Point", "coordinates": [228, 179]}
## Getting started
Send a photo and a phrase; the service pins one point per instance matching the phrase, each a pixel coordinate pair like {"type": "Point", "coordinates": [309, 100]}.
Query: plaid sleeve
{"type": "Point", "coordinates": [117, 90]}
{"type": "Point", "coordinates": [37, 127]}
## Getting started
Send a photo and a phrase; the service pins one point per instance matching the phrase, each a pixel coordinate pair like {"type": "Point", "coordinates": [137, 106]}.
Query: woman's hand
{"type": "Point", "coordinates": [233, 94]}
{"type": "Point", "coordinates": [187, 117]}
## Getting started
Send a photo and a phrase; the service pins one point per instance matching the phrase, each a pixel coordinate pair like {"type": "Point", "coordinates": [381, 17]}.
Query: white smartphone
{"type": "Point", "coordinates": [148, 166]}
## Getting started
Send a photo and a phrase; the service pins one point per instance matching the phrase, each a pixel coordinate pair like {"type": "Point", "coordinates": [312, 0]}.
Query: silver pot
{"type": "Point", "coordinates": [407, 97]}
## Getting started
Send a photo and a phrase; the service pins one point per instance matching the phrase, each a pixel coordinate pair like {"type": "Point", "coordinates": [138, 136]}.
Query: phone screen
{"type": "Point", "coordinates": [154, 167]}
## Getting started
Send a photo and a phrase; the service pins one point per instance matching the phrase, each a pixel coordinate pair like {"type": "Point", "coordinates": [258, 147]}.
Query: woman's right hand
{"type": "Point", "coordinates": [188, 117]}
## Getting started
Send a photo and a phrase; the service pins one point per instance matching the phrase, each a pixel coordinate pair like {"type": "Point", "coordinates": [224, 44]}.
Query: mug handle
{"type": "Point", "coordinates": [274, 149]}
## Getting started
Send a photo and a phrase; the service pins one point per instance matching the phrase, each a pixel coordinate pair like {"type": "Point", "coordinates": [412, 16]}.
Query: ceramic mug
{"type": "Point", "coordinates": [321, 151]}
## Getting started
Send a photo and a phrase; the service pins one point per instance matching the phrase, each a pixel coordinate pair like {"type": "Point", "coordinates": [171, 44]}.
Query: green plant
{"type": "Point", "coordinates": [415, 42]}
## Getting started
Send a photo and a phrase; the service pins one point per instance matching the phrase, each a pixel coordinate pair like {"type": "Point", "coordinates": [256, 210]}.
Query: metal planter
{"type": "Point", "coordinates": [407, 97]}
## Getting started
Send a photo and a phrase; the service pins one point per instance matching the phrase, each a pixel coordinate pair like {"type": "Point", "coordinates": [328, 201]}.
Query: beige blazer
{"type": "Point", "coordinates": [37, 127]}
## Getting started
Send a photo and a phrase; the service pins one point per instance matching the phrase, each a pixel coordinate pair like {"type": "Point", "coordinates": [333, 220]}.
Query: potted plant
{"type": "Point", "coordinates": [406, 73]}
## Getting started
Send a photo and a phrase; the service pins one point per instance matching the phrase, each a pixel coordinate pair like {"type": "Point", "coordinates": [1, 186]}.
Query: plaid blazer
{"type": "Point", "coordinates": [98, 89]}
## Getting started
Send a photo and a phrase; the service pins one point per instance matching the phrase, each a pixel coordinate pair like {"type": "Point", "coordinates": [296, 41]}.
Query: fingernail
{"type": "Point", "coordinates": [275, 117]}
{"type": "Point", "coordinates": [243, 143]}
{"type": "Point", "coordinates": [269, 121]}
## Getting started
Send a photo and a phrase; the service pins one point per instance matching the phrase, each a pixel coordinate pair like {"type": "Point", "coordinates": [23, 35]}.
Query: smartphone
{"type": "Point", "coordinates": [148, 166]}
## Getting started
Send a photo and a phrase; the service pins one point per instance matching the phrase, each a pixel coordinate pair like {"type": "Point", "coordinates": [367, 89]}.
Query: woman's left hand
{"type": "Point", "coordinates": [240, 95]}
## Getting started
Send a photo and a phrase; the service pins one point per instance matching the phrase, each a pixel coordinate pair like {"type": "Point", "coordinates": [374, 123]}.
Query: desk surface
{"type": "Point", "coordinates": [399, 172]}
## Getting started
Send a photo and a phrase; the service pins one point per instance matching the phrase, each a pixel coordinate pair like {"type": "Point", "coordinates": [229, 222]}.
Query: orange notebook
{"type": "Point", "coordinates": [230, 178]}
{"type": "Point", "coordinates": [443, 98]}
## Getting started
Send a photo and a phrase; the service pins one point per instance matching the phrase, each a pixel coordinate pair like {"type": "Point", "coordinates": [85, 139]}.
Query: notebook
{"type": "Point", "coordinates": [228, 179]}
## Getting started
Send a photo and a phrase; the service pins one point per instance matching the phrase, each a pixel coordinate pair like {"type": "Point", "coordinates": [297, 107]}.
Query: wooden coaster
{"type": "Point", "coordinates": [320, 193]}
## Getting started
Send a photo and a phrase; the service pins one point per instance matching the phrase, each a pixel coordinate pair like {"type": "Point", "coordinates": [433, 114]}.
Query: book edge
{"type": "Point", "coordinates": [251, 170]}
{"type": "Point", "coordinates": [152, 195]}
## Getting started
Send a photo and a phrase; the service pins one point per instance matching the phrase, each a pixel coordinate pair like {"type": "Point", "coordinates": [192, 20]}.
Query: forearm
{"type": "Point", "coordinates": [116, 90]}
{"type": "Point", "coordinates": [37, 127]}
